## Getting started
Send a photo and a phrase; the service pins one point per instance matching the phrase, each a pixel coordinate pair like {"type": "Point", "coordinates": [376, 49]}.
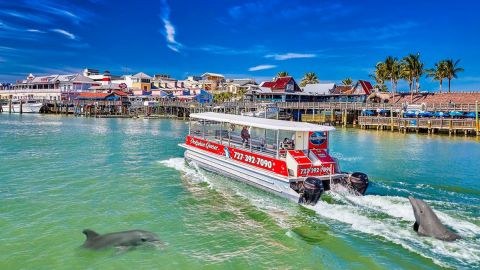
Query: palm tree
{"type": "Point", "coordinates": [347, 81]}
{"type": "Point", "coordinates": [392, 70]}
{"type": "Point", "coordinates": [451, 70]}
{"type": "Point", "coordinates": [415, 66]}
{"type": "Point", "coordinates": [438, 72]}
{"type": "Point", "coordinates": [380, 74]}
{"type": "Point", "coordinates": [406, 74]}
{"type": "Point", "coordinates": [282, 74]}
{"type": "Point", "coordinates": [309, 78]}
{"type": "Point", "coordinates": [241, 93]}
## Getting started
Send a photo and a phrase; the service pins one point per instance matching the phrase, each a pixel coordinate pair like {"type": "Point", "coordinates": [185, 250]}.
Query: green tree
{"type": "Point", "coordinates": [406, 74]}
{"type": "Point", "coordinates": [282, 74]}
{"type": "Point", "coordinates": [452, 69]}
{"type": "Point", "coordinates": [222, 97]}
{"type": "Point", "coordinates": [347, 81]}
{"type": "Point", "coordinates": [241, 94]}
{"type": "Point", "coordinates": [380, 74]}
{"type": "Point", "coordinates": [392, 69]}
{"type": "Point", "coordinates": [438, 72]}
{"type": "Point", "coordinates": [309, 78]}
{"type": "Point", "coordinates": [415, 67]}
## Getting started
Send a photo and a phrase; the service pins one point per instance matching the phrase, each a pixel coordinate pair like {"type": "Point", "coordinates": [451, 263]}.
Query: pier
{"type": "Point", "coordinates": [428, 125]}
{"type": "Point", "coordinates": [330, 113]}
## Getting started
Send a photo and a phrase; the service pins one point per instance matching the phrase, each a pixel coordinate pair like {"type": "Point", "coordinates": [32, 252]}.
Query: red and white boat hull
{"type": "Point", "coordinates": [251, 175]}
{"type": "Point", "coordinates": [245, 173]}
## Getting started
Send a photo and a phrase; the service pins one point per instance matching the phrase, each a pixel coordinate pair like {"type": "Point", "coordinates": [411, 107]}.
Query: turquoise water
{"type": "Point", "coordinates": [60, 175]}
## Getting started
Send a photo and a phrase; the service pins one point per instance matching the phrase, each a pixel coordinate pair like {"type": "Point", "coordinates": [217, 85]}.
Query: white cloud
{"type": "Point", "coordinates": [261, 67]}
{"type": "Point", "coordinates": [287, 56]}
{"type": "Point", "coordinates": [169, 28]}
{"type": "Point", "coordinates": [35, 31]}
{"type": "Point", "coordinates": [221, 50]}
{"type": "Point", "coordinates": [59, 10]}
{"type": "Point", "coordinates": [65, 33]}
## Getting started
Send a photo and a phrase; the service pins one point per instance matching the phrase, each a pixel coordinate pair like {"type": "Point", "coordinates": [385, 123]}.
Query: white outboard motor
{"type": "Point", "coordinates": [359, 182]}
{"type": "Point", "coordinates": [312, 190]}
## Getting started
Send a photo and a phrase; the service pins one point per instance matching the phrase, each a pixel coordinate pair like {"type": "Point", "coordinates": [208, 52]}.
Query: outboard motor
{"type": "Point", "coordinates": [312, 189]}
{"type": "Point", "coordinates": [359, 182]}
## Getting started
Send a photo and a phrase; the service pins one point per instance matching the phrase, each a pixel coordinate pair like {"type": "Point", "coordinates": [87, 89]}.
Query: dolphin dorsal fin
{"type": "Point", "coordinates": [90, 233]}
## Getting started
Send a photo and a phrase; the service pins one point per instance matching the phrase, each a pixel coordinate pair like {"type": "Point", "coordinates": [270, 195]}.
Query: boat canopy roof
{"type": "Point", "coordinates": [272, 124]}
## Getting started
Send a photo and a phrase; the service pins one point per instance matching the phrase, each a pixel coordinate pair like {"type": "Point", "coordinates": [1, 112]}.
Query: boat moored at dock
{"type": "Point", "coordinates": [24, 106]}
{"type": "Point", "coordinates": [290, 159]}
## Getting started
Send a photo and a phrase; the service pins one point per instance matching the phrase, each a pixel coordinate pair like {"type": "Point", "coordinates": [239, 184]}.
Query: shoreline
{"type": "Point", "coordinates": [443, 135]}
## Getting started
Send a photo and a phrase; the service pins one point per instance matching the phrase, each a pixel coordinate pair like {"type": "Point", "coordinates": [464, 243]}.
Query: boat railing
{"type": "Point", "coordinates": [255, 144]}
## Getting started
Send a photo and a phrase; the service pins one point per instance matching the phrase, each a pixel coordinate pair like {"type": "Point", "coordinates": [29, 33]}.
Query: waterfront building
{"type": "Point", "coordinates": [236, 86]}
{"type": "Point", "coordinates": [104, 78]}
{"type": "Point", "coordinates": [51, 87]}
{"type": "Point", "coordinates": [319, 88]}
{"type": "Point", "coordinates": [108, 88]}
{"type": "Point", "coordinates": [281, 85]}
{"type": "Point", "coordinates": [140, 83]}
{"type": "Point", "coordinates": [114, 102]}
{"type": "Point", "coordinates": [199, 95]}
{"type": "Point", "coordinates": [285, 89]}
{"type": "Point", "coordinates": [161, 81]}
{"type": "Point", "coordinates": [5, 86]}
{"type": "Point", "coordinates": [212, 81]}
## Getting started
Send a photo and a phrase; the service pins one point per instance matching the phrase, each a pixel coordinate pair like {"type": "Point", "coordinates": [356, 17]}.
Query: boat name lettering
{"type": "Point", "coordinates": [212, 146]}
{"type": "Point", "coordinates": [197, 142]}
{"type": "Point", "coordinates": [207, 145]}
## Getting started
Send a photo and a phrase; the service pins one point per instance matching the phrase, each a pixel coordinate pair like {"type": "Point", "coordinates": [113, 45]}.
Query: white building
{"type": "Point", "coordinates": [52, 87]}
{"type": "Point", "coordinates": [104, 79]}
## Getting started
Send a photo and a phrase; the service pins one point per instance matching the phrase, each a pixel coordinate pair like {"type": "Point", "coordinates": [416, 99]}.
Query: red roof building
{"type": "Point", "coordinates": [282, 84]}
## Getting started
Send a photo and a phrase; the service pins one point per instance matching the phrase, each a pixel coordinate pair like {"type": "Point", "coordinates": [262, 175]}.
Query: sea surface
{"type": "Point", "coordinates": [60, 175]}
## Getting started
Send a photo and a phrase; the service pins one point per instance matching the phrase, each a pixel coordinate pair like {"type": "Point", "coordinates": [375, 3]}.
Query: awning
{"type": "Point", "coordinates": [260, 122]}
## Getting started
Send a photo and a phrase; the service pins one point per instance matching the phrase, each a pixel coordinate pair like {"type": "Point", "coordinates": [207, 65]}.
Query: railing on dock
{"type": "Point", "coordinates": [429, 124]}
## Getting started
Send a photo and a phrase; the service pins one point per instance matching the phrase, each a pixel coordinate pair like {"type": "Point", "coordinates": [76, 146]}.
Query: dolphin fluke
{"type": "Point", "coordinates": [428, 224]}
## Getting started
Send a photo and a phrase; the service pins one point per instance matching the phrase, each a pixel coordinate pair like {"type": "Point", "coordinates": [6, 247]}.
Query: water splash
{"type": "Point", "coordinates": [192, 172]}
{"type": "Point", "coordinates": [391, 217]}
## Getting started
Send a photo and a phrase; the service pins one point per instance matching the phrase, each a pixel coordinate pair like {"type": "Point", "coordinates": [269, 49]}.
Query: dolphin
{"type": "Point", "coordinates": [122, 240]}
{"type": "Point", "coordinates": [427, 222]}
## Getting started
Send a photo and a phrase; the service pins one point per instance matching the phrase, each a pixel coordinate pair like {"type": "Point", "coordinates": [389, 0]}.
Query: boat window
{"type": "Point", "coordinates": [249, 138]}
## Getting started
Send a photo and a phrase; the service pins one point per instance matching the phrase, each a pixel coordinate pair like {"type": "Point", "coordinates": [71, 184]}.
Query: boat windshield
{"type": "Point", "coordinates": [265, 141]}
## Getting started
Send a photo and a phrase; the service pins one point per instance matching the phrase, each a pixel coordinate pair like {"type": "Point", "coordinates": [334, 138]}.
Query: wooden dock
{"type": "Point", "coordinates": [331, 113]}
{"type": "Point", "coordinates": [428, 125]}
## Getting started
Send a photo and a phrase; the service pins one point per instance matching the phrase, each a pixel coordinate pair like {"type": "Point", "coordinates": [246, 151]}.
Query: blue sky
{"type": "Point", "coordinates": [252, 39]}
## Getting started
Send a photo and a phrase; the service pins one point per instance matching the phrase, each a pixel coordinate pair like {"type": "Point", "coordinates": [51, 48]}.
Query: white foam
{"type": "Point", "coordinates": [192, 173]}
{"type": "Point", "coordinates": [357, 212]}
{"type": "Point", "coordinates": [400, 207]}
{"type": "Point", "coordinates": [342, 157]}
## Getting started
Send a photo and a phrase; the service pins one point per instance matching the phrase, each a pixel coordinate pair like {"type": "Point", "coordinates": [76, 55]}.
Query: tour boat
{"type": "Point", "coordinates": [287, 158]}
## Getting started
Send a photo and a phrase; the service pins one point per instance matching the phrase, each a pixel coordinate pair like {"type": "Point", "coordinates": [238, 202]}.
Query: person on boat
{"type": "Point", "coordinates": [245, 135]}
{"type": "Point", "coordinates": [287, 144]}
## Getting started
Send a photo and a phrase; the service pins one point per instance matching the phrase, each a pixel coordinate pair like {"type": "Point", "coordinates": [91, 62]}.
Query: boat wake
{"type": "Point", "coordinates": [389, 218]}
{"type": "Point", "coordinates": [191, 173]}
